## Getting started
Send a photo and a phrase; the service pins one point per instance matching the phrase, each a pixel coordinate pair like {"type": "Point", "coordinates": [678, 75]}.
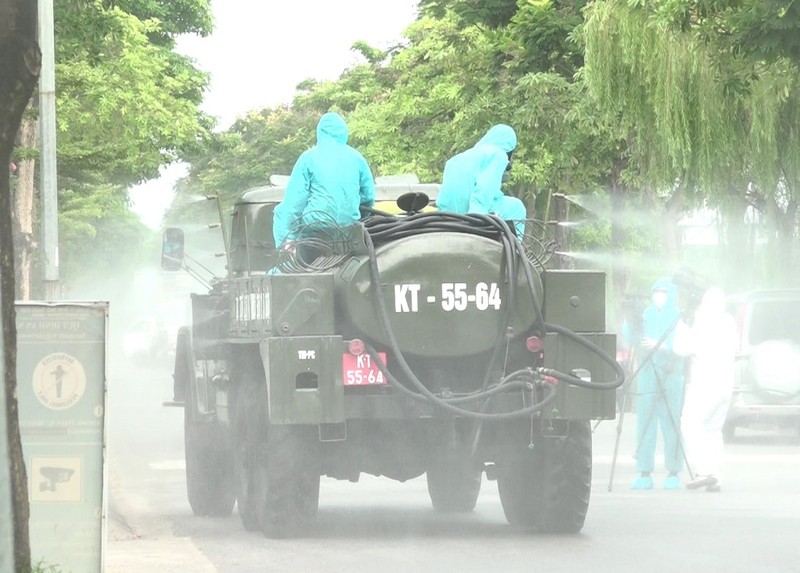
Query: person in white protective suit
{"type": "Point", "coordinates": [710, 342]}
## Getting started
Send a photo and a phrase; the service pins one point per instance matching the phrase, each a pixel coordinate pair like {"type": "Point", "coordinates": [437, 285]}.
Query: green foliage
{"type": "Point", "coordinates": [175, 16]}
{"type": "Point", "coordinates": [543, 36]}
{"type": "Point", "coordinates": [98, 234]}
{"type": "Point", "coordinates": [761, 30]}
{"type": "Point", "coordinates": [715, 116]}
{"type": "Point", "coordinates": [677, 93]}
{"type": "Point", "coordinates": [466, 66]}
{"type": "Point", "coordinates": [42, 567]}
{"type": "Point", "coordinates": [413, 108]}
{"type": "Point", "coordinates": [258, 145]}
{"type": "Point", "coordinates": [125, 105]}
{"type": "Point", "coordinates": [492, 13]}
{"type": "Point", "coordinates": [659, 83]}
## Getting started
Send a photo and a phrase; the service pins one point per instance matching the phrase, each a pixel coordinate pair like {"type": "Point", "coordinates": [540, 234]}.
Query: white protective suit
{"type": "Point", "coordinates": [711, 345]}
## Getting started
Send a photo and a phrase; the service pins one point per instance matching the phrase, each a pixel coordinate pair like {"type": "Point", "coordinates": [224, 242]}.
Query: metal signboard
{"type": "Point", "coordinates": [61, 386]}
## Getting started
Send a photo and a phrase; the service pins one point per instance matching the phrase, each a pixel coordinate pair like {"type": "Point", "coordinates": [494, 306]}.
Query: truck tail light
{"type": "Point", "coordinates": [534, 344]}
{"type": "Point", "coordinates": [356, 347]}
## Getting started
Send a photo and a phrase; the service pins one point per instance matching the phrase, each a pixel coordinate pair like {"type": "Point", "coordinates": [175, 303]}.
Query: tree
{"type": "Point", "coordinates": [493, 13]}
{"type": "Point", "coordinates": [760, 30]}
{"type": "Point", "coordinates": [96, 228]}
{"type": "Point", "coordinates": [23, 196]}
{"type": "Point", "coordinates": [127, 104]}
{"type": "Point", "coordinates": [465, 65]}
{"type": "Point", "coordinates": [713, 125]}
{"type": "Point", "coordinates": [20, 61]}
{"type": "Point", "coordinates": [260, 144]}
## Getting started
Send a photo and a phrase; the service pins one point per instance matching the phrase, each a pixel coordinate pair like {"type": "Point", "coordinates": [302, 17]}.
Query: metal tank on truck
{"type": "Point", "coordinates": [413, 342]}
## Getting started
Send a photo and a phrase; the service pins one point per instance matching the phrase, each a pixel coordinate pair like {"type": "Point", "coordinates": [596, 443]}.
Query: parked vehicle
{"type": "Point", "coordinates": [767, 383]}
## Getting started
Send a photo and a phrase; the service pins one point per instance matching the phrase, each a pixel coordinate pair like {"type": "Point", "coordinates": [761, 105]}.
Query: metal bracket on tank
{"type": "Point", "coordinates": [300, 308]}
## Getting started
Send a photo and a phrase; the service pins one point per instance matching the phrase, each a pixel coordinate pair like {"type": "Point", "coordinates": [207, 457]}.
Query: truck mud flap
{"type": "Point", "coordinates": [573, 402]}
{"type": "Point", "coordinates": [304, 379]}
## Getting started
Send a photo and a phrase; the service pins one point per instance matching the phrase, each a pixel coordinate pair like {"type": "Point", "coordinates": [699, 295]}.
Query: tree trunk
{"type": "Point", "coordinates": [780, 250]}
{"type": "Point", "coordinates": [25, 209]}
{"type": "Point", "coordinates": [620, 273]}
{"type": "Point", "coordinates": [737, 244]}
{"type": "Point", "coordinates": [20, 61]}
{"type": "Point", "coordinates": [671, 238]}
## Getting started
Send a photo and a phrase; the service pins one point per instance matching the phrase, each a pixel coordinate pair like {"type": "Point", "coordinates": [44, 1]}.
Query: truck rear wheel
{"type": "Point", "coordinates": [454, 485]}
{"type": "Point", "coordinates": [286, 479]}
{"type": "Point", "coordinates": [548, 487]}
{"type": "Point", "coordinates": [209, 475]}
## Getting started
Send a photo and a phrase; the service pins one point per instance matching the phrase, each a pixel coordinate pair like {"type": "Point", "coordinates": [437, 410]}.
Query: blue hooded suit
{"type": "Point", "coordinates": [660, 386]}
{"type": "Point", "coordinates": [472, 179]}
{"type": "Point", "coordinates": [328, 183]}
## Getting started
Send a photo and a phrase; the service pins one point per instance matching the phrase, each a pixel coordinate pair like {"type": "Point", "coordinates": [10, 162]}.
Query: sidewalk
{"type": "Point", "coordinates": [144, 545]}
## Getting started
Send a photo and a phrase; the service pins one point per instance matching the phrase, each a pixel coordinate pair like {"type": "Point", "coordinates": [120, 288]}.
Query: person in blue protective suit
{"type": "Point", "coordinates": [472, 179]}
{"type": "Point", "coordinates": [328, 184]}
{"type": "Point", "coordinates": [660, 388]}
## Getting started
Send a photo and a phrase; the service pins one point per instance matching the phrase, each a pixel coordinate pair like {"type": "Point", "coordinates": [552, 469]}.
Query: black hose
{"type": "Point", "coordinates": [385, 230]}
{"type": "Point", "coordinates": [424, 394]}
{"type": "Point", "coordinates": [427, 396]}
{"type": "Point", "coordinates": [592, 347]}
{"type": "Point", "coordinates": [482, 225]}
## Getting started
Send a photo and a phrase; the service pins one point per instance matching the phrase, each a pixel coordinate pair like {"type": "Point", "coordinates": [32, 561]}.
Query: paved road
{"type": "Point", "coordinates": [381, 525]}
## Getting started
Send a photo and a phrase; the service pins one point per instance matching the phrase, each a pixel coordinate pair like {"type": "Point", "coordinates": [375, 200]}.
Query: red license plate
{"type": "Point", "coordinates": [362, 370]}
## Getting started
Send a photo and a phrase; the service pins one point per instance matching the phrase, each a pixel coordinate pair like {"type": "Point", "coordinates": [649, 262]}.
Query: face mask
{"type": "Point", "coordinates": [659, 299]}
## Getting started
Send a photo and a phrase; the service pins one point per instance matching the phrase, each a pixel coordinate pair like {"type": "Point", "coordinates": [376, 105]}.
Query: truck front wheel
{"type": "Point", "coordinates": [209, 476]}
{"type": "Point", "coordinates": [243, 448]}
{"type": "Point", "coordinates": [548, 487]}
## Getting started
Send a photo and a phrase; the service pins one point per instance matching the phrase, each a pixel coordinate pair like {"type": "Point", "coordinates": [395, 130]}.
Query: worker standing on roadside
{"type": "Point", "coordinates": [710, 343]}
{"type": "Point", "coordinates": [660, 389]}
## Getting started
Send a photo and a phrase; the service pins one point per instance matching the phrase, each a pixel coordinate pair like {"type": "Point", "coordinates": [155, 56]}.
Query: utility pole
{"type": "Point", "coordinates": [47, 126]}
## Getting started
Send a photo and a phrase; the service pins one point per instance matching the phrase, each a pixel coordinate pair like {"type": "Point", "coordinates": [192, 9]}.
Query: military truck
{"type": "Point", "coordinates": [413, 342]}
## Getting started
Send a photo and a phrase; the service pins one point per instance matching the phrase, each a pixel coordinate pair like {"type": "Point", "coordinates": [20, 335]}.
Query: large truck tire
{"type": "Point", "coordinates": [548, 488]}
{"type": "Point", "coordinates": [286, 479]}
{"type": "Point", "coordinates": [454, 485]}
{"type": "Point", "coordinates": [209, 463]}
{"type": "Point", "coordinates": [243, 447]}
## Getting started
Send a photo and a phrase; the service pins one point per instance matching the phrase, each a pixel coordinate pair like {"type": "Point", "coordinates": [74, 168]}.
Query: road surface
{"type": "Point", "coordinates": [385, 526]}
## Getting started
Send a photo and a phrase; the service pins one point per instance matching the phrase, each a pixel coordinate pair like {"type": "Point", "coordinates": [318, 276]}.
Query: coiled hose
{"type": "Point", "coordinates": [382, 229]}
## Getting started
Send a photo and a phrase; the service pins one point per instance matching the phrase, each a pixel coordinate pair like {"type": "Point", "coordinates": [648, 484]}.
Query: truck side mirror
{"type": "Point", "coordinates": [172, 249]}
{"type": "Point", "coordinates": [413, 202]}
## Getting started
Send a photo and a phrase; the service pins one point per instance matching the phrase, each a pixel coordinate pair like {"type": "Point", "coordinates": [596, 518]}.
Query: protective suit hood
{"type": "Point", "coordinates": [502, 136]}
{"type": "Point", "coordinates": [331, 127]}
{"type": "Point", "coordinates": [666, 284]}
{"type": "Point", "coordinates": [713, 302]}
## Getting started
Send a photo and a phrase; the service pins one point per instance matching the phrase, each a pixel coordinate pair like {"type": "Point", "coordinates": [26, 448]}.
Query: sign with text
{"type": "Point", "coordinates": [61, 379]}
